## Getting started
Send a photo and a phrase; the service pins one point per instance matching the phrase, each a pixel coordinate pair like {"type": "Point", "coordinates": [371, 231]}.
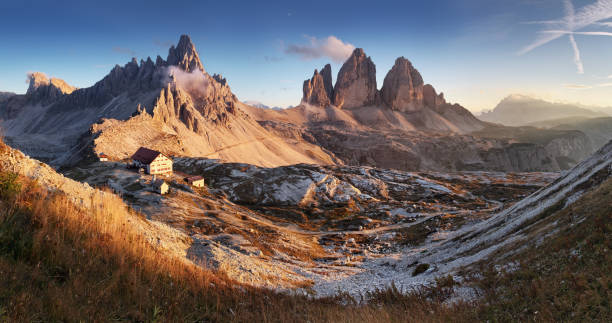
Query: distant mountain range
{"type": "Point", "coordinates": [260, 105]}
{"type": "Point", "coordinates": [520, 110]}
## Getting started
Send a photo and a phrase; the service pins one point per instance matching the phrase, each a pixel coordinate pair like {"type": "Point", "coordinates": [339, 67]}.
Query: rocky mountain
{"type": "Point", "coordinates": [599, 130]}
{"type": "Point", "coordinates": [407, 125]}
{"type": "Point", "coordinates": [319, 90]}
{"type": "Point", "coordinates": [171, 105]}
{"type": "Point", "coordinates": [356, 83]}
{"type": "Point", "coordinates": [6, 95]}
{"type": "Point", "coordinates": [43, 89]}
{"type": "Point", "coordinates": [260, 105]}
{"type": "Point", "coordinates": [519, 110]}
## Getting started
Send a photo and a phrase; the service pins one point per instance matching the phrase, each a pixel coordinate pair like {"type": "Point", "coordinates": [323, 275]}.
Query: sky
{"type": "Point", "coordinates": [475, 51]}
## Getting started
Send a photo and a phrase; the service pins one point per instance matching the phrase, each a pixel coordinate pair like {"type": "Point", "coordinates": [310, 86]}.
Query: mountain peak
{"type": "Point", "coordinates": [358, 52]}
{"type": "Point", "coordinates": [403, 87]}
{"type": "Point", "coordinates": [42, 88]}
{"type": "Point", "coordinates": [356, 83]}
{"type": "Point", "coordinates": [185, 55]}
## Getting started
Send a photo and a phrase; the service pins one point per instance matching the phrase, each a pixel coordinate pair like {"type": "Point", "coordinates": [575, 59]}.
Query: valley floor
{"type": "Point", "coordinates": [311, 229]}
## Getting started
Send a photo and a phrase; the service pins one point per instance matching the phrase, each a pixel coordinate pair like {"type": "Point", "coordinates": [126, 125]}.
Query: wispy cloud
{"type": "Point", "coordinates": [577, 86]}
{"type": "Point", "coordinates": [586, 87]}
{"type": "Point", "coordinates": [123, 50]}
{"type": "Point", "coordinates": [590, 33]}
{"type": "Point", "coordinates": [331, 47]}
{"type": "Point", "coordinates": [571, 24]}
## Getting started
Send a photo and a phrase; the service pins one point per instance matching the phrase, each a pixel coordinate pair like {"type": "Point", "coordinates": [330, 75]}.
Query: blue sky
{"type": "Point", "coordinates": [475, 51]}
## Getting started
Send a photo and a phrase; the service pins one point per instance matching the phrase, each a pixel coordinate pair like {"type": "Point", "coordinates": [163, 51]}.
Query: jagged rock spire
{"type": "Point", "coordinates": [42, 88]}
{"type": "Point", "coordinates": [403, 87]}
{"type": "Point", "coordinates": [356, 83]}
{"type": "Point", "coordinates": [185, 56]}
{"type": "Point", "coordinates": [326, 73]}
{"type": "Point", "coordinates": [317, 91]}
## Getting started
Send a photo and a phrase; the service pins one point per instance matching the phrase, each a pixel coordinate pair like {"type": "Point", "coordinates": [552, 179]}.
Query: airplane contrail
{"type": "Point", "coordinates": [570, 24]}
{"type": "Point", "coordinates": [590, 33]}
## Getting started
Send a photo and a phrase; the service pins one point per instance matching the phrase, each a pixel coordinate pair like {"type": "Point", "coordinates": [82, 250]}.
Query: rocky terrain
{"type": "Point", "coordinates": [172, 105]}
{"type": "Point", "coordinates": [407, 125]}
{"type": "Point", "coordinates": [320, 229]}
{"type": "Point", "coordinates": [303, 226]}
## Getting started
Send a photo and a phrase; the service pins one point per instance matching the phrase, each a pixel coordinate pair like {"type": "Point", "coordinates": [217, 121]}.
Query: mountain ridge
{"type": "Point", "coordinates": [520, 110]}
{"type": "Point", "coordinates": [190, 112]}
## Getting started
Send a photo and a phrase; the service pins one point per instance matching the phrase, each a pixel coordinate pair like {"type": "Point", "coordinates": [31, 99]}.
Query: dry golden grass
{"type": "Point", "coordinates": [62, 263]}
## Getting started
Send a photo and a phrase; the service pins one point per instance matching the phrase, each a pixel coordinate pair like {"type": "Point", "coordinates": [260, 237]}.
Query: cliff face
{"type": "Point", "coordinates": [356, 83]}
{"type": "Point", "coordinates": [43, 89]}
{"type": "Point", "coordinates": [403, 87]}
{"type": "Point", "coordinates": [172, 105]}
{"type": "Point", "coordinates": [315, 91]}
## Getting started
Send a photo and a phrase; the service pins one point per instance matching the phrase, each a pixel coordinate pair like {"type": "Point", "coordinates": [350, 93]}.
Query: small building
{"type": "Point", "coordinates": [152, 161]}
{"type": "Point", "coordinates": [195, 181]}
{"type": "Point", "coordinates": [103, 157]}
{"type": "Point", "coordinates": [160, 186]}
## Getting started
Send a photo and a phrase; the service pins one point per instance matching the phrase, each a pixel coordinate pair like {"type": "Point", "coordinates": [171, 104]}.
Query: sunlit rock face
{"type": "Point", "coordinates": [42, 88]}
{"type": "Point", "coordinates": [356, 83]}
{"type": "Point", "coordinates": [317, 89]}
{"type": "Point", "coordinates": [403, 87]}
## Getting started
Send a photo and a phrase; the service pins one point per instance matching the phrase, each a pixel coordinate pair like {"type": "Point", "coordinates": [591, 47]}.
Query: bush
{"type": "Point", "coordinates": [9, 187]}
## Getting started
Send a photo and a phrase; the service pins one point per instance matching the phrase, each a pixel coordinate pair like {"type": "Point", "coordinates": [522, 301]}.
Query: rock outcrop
{"type": "Point", "coordinates": [315, 92]}
{"type": "Point", "coordinates": [326, 73]}
{"type": "Point", "coordinates": [403, 87]}
{"type": "Point", "coordinates": [42, 88]}
{"type": "Point", "coordinates": [185, 56]}
{"type": "Point", "coordinates": [430, 98]}
{"type": "Point", "coordinates": [6, 95]}
{"type": "Point", "coordinates": [356, 83]}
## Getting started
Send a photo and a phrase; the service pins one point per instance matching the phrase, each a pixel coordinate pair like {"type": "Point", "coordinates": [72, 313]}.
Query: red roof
{"type": "Point", "coordinates": [145, 155]}
{"type": "Point", "coordinates": [194, 178]}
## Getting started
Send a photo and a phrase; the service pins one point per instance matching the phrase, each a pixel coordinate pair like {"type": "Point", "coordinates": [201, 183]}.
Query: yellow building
{"type": "Point", "coordinates": [195, 181]}
{"type": "Point", "coordinates": [152, 161]}
{"type": "Point", "coordinates": [160, 186]}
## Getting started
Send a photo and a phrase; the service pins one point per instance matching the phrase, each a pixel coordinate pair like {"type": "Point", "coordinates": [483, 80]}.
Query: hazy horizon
{"type": "Point", "coordinates": [475, 52]}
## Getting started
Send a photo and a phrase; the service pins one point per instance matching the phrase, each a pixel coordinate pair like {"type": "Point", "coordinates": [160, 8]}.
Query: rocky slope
{"type": "Point", "coordinates": [599, 130]}
{"type": "Point", "coordinates": [355, 224]}
{"type": "Point", "coordinates": [407, 125]}
{"type": "Point", "coordinates": [172, 105]}
{"type": "Point", "coordinates": [5, 95]}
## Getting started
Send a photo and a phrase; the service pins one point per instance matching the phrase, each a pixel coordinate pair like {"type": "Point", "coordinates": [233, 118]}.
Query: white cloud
{"type": "Point", "coordinates": [195, 83]}
{"type": "Point", "coordinates": [331, 47]}
{"type": "Point", "coordinates": [571, 24]}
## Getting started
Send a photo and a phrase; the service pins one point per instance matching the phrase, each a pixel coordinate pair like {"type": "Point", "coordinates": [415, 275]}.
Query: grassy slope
{"type": "Point", "coordinates": [567, 277]}
{"type": "Point", "coordinates": [59, 263]}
